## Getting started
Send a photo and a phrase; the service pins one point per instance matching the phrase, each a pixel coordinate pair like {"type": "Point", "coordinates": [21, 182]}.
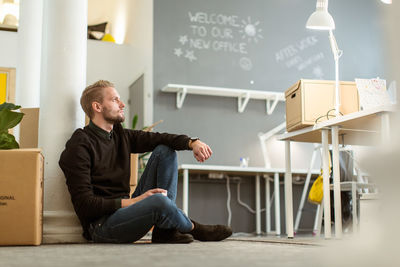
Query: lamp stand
{"type": "Point", "coordinates": [337, 53]}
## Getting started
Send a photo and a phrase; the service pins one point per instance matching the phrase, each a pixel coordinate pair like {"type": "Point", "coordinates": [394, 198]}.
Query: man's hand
{"type": "Point", "coordinates": [201, 151]}
{"type": "Point", "coordinates": [130, 201]}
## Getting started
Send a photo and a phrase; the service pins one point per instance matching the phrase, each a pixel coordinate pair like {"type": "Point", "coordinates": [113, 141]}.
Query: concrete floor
{"type": "Point", "coordinates": [243, 251]}
{"type": "Point", "coordinates": [235, 251]}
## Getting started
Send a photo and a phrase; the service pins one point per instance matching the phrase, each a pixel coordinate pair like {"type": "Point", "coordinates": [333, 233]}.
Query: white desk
{"type": "Point", "coordinates": [367, 127]}
{"type": "Point", "coordinates": [248, 171]}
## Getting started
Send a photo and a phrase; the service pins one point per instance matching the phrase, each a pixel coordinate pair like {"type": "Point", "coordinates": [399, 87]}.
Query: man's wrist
{"type": "Point", "coordinates": [192, 140]}
{"type": "Point", "coordinates": [117, 203]}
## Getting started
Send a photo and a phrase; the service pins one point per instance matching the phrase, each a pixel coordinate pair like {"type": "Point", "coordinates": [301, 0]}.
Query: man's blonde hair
{"type": "Point", "coordinates": [93, 93]}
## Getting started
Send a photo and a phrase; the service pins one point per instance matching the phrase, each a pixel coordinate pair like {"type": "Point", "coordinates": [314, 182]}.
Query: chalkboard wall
{"type": "Point", "coordinates": [256, 45]}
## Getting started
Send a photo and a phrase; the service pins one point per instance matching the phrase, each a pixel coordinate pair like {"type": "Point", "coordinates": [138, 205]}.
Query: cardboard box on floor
{"type": "Point", "coordinates": [135, 162]}
{"type": "Point", "coordinates": [310, 100]}
{"type": "Point", "coordinates": [29, 128]}
{"type": "Point", "coordinates": [21, 197]}
{"type": "Point", "coordinates": [21, 186]}
{"type": "Point", "coordinates": [134, 172]}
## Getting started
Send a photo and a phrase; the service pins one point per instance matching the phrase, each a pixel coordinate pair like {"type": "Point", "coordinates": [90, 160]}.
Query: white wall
{"type": "Point", "coordinates": [140, 34]}
{"type": "Point", "coordinates": [105, 61]}
{"type": "Point", "coordinates": [115, 12]}
{"type": "Point", "coordinates": [8, 51]}
{"type": "Point", "coordinates": [112, 62]}
{"type": "Point", "coordinates": [390, 25]}
{"type": "Point", "coordinates": [123, 64]}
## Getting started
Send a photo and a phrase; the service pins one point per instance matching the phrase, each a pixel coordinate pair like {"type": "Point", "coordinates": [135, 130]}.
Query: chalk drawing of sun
{"type": "Point", "coordinates": [251, 31]}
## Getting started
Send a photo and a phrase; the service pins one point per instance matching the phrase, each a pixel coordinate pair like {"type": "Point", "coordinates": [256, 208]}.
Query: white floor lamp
{"type": "Point", "coordinates": [322, 20]}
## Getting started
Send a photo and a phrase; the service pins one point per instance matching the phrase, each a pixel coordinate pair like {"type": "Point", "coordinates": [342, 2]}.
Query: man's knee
{"type": "Point", "coordinates": [165, 151]}
{"type": "Point", "coordinates": [160, 202]}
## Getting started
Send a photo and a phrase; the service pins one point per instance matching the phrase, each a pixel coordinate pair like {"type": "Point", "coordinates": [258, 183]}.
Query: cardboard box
{"type": "Point", "coordinates": [29, 128]}
{"type": "Point", "coordinates": [21, 196]}
{"type": "Point", "coordinates": [310, 100]}
{"type": "Point", "coordinates": [134, 172]}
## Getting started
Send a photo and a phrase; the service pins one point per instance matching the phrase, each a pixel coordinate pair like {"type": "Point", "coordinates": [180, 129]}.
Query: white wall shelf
{"type": "Point", "coordinates": [181, 90]}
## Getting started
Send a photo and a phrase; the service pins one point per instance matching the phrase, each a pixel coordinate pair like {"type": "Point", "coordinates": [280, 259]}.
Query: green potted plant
{"type": "Point", "coordinates": [8, 120]}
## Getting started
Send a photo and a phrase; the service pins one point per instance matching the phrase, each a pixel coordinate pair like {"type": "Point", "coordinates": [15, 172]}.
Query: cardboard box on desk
{"type": "Point", "coordinates": [309, 100]}
{"type": "Point", "coordinates": [21, 196]}
{"type": "Point", "coordinates": [134, 172]}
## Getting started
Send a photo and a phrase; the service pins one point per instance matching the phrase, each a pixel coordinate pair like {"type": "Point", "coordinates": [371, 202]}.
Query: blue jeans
{"type": "Point", "coordinates": [131, 223]}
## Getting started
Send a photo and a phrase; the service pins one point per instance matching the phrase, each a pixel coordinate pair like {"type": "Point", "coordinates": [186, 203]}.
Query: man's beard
{"type": "Point", "coordinates": [112, 119]}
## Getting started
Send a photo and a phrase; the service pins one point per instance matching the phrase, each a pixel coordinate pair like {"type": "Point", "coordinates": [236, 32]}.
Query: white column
{"type": "Point", "coordinates": [63, 78]}
{"type": "Point", "coordinates": [29, 53]}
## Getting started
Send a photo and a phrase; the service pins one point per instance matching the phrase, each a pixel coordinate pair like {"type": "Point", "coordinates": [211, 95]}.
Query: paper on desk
{"type": "Point", "coordinates": [372, 93]}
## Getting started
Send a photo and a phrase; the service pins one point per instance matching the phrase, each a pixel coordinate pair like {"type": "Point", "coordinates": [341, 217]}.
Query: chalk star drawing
{"type": "Point", "coordinates": [245, 63]}
{"type": "Point", "coordinates": [178, 52]}
{"type": "Point", "coordinates": [318, 73]}
{"type": "Point", "coordinates": [183, 39]}
{"type": "Point", "coordinates": [190, 55]}
{"type": "Point", "coordinates": [251, 30]}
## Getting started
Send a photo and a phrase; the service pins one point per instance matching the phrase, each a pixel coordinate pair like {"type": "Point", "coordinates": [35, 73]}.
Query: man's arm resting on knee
{"type": "Point", "coordinates": [130, 201]}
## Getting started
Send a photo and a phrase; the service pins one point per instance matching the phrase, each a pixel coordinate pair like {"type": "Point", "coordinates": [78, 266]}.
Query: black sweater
{"type": "Point", "coordinates": [97, 168]}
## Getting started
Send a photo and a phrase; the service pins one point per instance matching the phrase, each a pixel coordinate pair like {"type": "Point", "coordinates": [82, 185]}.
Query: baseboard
{"type": "Point", "coordinates": [61, 227]}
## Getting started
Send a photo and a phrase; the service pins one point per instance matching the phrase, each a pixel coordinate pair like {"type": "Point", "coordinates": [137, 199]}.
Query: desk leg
{"type": "Point", "coordinates": [318, 218]}
{"type": "Point", "coordinates": [258, 206]}
{"type": "Point", "coordinates": [385, 128]}
{"type": "Point", "coordinates": [185, 194]}
{"type": "Point", "coordinates": [354, 201]}
{"type": "Point", "coordinates": [325, 167]}
{"type": "Point", "coordinates": [267, 205]}
{"type": "Point", "coordinates": [336, 181]}
{"type": "Point", "coordinates": [304, 194]}
{"type": "Point", "coordinates": [288, 192]}
{"type": "Point", "coordinates": [277, 200]}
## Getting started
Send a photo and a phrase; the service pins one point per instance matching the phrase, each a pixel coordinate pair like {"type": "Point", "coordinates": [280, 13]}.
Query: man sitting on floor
{"type": "Point", "coordinates": [96, 164]}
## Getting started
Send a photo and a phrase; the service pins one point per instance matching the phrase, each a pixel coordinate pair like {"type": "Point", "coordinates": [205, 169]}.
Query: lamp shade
{"type": "Point", "coordinates": [321, 19]}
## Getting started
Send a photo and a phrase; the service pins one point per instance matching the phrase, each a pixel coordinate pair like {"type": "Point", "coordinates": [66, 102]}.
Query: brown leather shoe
{"type": "Point", "coordinates": [171, 236]}
{"type": "Point", "coordinates": [204, 232]}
